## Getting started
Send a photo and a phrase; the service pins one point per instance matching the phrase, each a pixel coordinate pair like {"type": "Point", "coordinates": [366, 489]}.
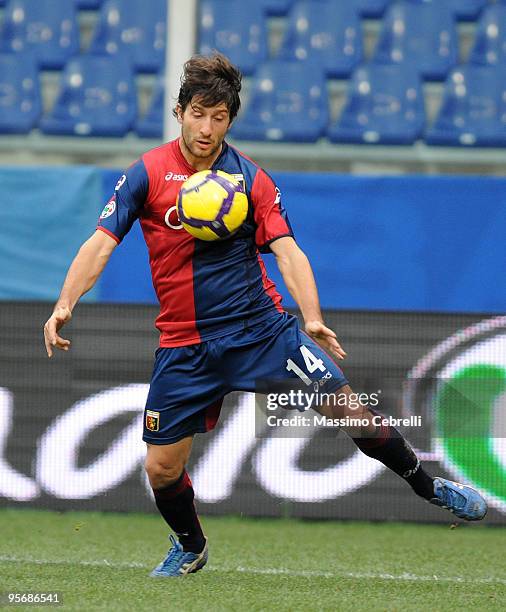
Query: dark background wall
{"type": "Point", "coordinates": [70, 428]}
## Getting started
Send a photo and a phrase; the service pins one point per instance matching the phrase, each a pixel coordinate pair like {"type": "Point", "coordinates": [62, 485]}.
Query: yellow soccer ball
{"type": "Point", "coordinates": [212, 205]}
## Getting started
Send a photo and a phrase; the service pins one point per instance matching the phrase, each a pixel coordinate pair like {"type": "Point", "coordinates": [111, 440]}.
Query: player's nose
{"type": "Point", "coordinates": [206, 127]}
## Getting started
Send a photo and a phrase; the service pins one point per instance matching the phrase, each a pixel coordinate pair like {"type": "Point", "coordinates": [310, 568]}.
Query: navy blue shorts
{"type": "Point", "coordinates": [189, 382]}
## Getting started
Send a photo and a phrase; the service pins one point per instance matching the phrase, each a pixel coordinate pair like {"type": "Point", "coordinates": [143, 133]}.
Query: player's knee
{"type": "Point", "coordinates": [162, 474]}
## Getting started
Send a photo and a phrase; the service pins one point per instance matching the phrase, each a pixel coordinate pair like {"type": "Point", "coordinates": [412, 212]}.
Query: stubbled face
{"type": "Point", "coordinates": [203, 129]}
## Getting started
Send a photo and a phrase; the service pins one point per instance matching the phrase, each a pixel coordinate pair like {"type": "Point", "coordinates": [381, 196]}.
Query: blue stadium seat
{"type": "Point", "coordinates": [288, 103]}
{"type": "Point", "coordinates": [473, 112]}
{"type": "Point", "coordinates": [88, 5]}
{"type": "Point", "coordinates": [133, 28]}
{"type": "Point", "coordinates": [20, 103]}
{"type": "Point", "coordinates": [490, 42]}
{"type": "Point", "coordinates": [325, 31]}
{"type": "Point", "coordinates": [371, 9]}
{"type": "Point", "coordinates": [466, 10]}
{"type": "Point", "coordinates": [97, 98]}
{"type": "Point", "coordinates": [385, 105]}
{"type": "Point", "coordinates": [46, 28]}
{"type": "Point", "coordinates": [151, 125]}
{"type": "Point", "coordinates": [225, 27]}
{"type": "Point", "coordinates": [276, 7]}
{"type": "Point", "coordinates": [420, 33]}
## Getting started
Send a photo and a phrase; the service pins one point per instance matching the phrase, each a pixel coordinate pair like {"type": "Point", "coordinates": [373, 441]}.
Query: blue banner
{"type": "Point", "coordinates": [381, 243]}
{"type": "Point", "coordinates": [375, 243]}
{"type": "Point", "coordinates": [45, 215]}
{"type": "Point", "coordinates": [409, 243]}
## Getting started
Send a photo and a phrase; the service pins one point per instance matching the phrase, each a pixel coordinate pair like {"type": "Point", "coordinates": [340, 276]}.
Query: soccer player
{"type": "Point", "coordinates": [221, 323]}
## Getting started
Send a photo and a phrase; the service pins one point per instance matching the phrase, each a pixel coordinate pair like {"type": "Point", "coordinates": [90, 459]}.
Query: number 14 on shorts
{"type": "Point", "coordinates": [311, 361]}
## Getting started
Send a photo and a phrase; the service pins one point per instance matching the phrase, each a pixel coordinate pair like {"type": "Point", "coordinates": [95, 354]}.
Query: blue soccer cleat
{"type": "Point", "coordinates": [464, 502]}
{"type": "Point", "coordinates": [180, 563]}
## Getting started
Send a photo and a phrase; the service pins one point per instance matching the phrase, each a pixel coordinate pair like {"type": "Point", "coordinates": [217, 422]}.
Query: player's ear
{"type": "Point", "coordinates": [179, 113]}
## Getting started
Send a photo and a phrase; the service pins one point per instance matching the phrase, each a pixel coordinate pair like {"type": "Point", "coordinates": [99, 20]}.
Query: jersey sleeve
{"type": "Point", "coordinates": [126, 203]}
{"type": "Point", "coordinates": [270, 216]}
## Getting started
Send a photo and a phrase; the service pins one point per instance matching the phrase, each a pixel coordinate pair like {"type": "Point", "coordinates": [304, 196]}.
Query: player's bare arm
{"type": "Point", "coordinates": [299, 279]}
{"type": "Point", "coordinates": [81, 277]}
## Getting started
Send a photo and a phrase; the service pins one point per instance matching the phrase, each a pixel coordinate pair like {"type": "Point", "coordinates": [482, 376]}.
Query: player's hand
{"type": "Point", "coordinates": [55, 322]}
{"type": "Point", "coordinates": [325, 337]}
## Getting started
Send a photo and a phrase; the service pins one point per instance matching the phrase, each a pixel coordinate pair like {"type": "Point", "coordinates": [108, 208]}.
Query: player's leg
{"type": "Point", "coordinates": [174, 497]}
{"type": "Point", "coordinates": [173, 491]}
{"type": "Point", "coordinates": [184, 398]}
{"type": "Point", "coordinates": [288, 353]}
{"type": "Point", "coordinates": [385, 443]}
{"type": "Point", "coordinates": [382, 442]}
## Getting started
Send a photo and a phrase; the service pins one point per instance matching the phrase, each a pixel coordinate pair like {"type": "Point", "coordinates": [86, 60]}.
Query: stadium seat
{"type": "Point", "coordinates": [473, 111]}
{"type": "Point", "coordinates": [88, 5]}
{"type": "Point", "coordinates": [151, 125]}
{"type": "Point", "coordinates": [324, 31]}
{"type": "Point", "coordinates": [288, 103]}
{"type": "Point", "coordinates": [224, 27]}
{"type": "Point", "coordinates": [20, 103]}
{"type": "Point", "coordinates": [490, 42]}
{"type": "Point", "coordinates": [46, 28]}
{"type": "Point", "coordinates": [385, 105]}
{"type": "Point", "coordinates": [370, 9]}
{"type": "Point", "coordinates": [275, 8]}
{"type": "Point", "coordinates": [466, 10]}
{"type": "Point", "coordinates": [135, 29]}
{"type": "Point", "coordinates": [420, 33]}
{"type": "Point", "coordinates": [97, 98]}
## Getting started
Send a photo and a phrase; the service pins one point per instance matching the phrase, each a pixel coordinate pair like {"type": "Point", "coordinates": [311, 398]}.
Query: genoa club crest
{"type": "Point", "coordinates": [152, 420]}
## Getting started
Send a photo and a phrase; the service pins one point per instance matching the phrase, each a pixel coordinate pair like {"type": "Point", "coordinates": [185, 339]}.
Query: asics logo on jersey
{"type": "Point", "coordinates": [170, 176]}
{"type": "Point", "coordinates": [172, 219]}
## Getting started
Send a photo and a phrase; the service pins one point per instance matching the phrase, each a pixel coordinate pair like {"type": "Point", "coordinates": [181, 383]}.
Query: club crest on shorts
{"type": "Point", "coordinates": [152, 420]}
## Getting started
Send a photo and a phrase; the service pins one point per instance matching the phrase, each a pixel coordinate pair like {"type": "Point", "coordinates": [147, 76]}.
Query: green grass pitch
{"type": "Point", "coordinates": [101, 562]}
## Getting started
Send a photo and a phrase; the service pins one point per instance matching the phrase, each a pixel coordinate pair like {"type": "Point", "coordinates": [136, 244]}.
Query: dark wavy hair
{"type": "Point", "coordinates": [212, 80]}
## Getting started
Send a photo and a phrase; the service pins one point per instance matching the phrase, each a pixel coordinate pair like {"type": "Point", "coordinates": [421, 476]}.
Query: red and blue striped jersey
{"type": "Point", "coordinates": [206, 289]}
